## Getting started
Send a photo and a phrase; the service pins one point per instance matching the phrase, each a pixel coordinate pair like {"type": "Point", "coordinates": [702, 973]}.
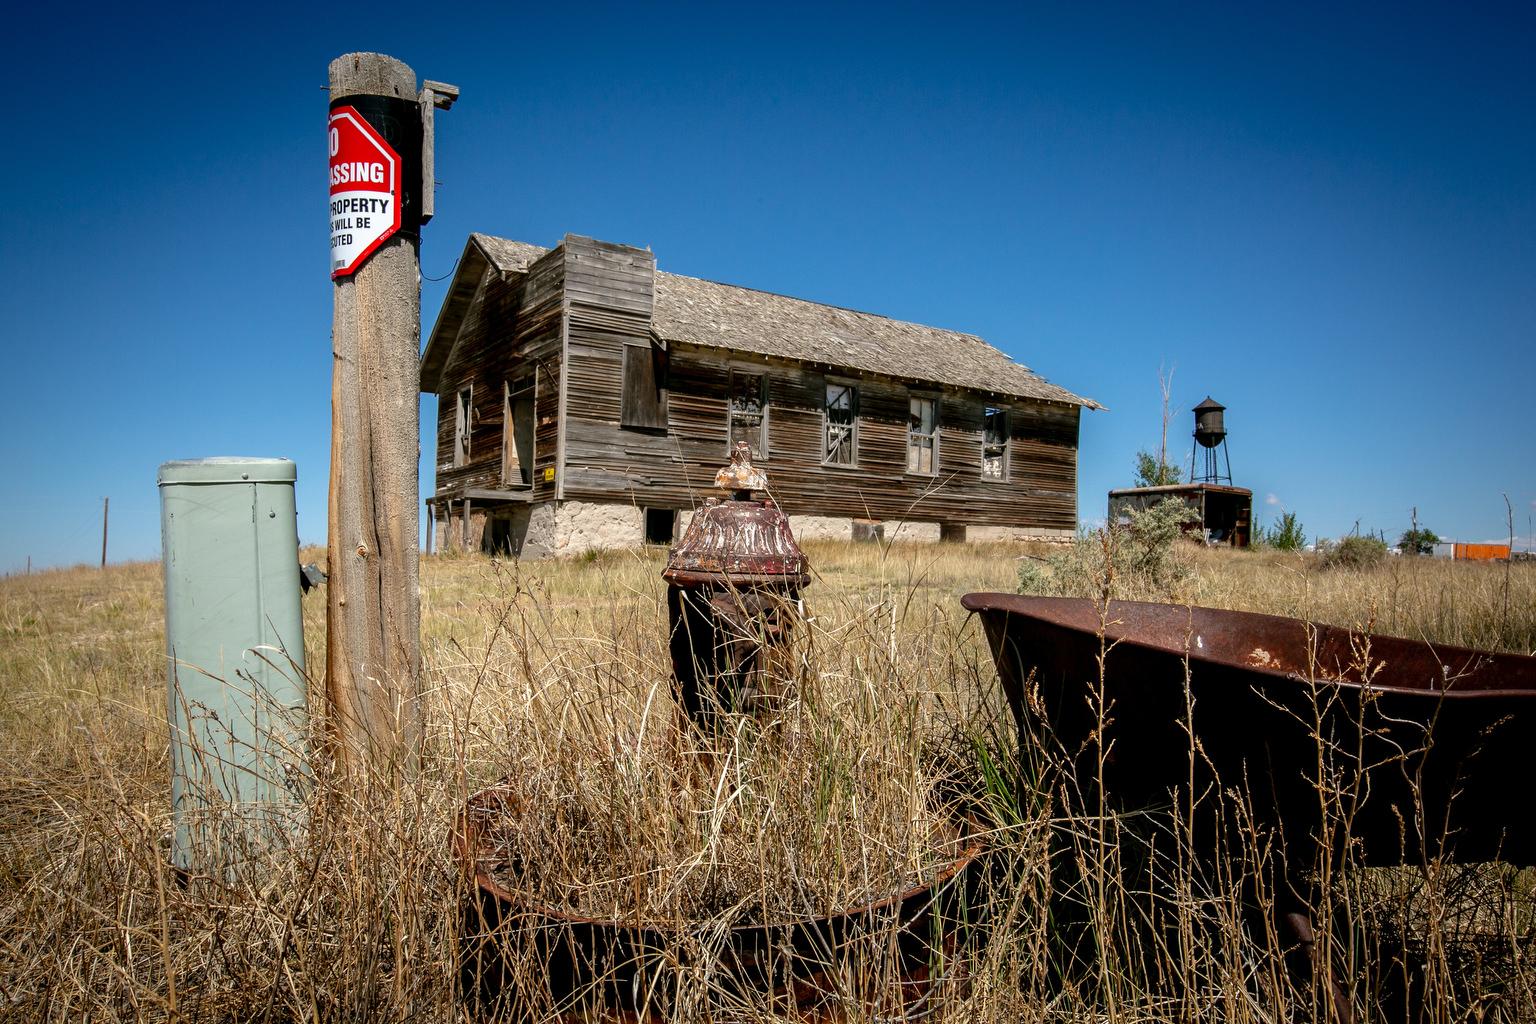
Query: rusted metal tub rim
{"type": "Point", "coordinates": [1052, 610]}
{"type": "Point", "coordinates": [465, 834]}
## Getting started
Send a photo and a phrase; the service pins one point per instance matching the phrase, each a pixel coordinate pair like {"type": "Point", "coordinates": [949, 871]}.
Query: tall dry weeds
{"type": "Point", "coordinates": [557, 675]}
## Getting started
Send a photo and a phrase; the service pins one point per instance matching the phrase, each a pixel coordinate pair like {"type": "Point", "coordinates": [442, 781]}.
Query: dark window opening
{"type": "Point", "coordinates": [922, 436]}
{"type": "Point", "coordinates": [461, 427]}
{"type": "Point", "coordinates": [517, 434]}
{"type": "Point", "coordinates": [841, 434]}
{"type": "Point", "coordinates": [498, 537]}
{"type": "Point", "coordinates": [644, 404]}
{"type": "Point", "coordinates": [994, 445]}
{"type": "Point", "coordinates": [660, 523]}
{"type": "Point", "coordinates": [748, 412]}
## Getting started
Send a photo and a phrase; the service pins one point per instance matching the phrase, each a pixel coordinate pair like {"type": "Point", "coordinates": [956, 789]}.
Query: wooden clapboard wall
{"type": "Point", "coordinates": [512, 329]}
{"type": "Point", "coordinates": [609, 299]}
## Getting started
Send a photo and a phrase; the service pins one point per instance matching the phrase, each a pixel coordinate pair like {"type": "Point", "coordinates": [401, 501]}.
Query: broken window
{"type": "Point", "coordinates": [517, 434]}
{"type": "Point", "coordinates": [748, 412]}
{"type": "Point", "coordinates": [994, 444]}
{"type": "Point", "coordinates": [841, 431]}
{"type": "Point", "coordinates": [644, 405]}
{"type": "Point", "coordinates": [922, 436]}
{"type": "Point", "coordinates": [461, 427]}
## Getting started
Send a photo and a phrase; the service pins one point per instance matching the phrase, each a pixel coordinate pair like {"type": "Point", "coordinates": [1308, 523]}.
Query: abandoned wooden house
{"type": "Point", "coordinates": [585, 400]}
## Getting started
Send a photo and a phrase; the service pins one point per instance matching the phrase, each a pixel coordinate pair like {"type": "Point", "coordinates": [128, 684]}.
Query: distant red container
{"type": "Point", "coordinates": [1482, 552]}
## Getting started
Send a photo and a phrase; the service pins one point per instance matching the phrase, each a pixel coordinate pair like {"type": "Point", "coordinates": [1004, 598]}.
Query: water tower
{"type": "Point", "coordinates": [1211, 441]}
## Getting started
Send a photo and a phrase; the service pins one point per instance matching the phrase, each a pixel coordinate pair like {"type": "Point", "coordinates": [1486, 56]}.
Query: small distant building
{"type": "Point", "coordinates": [586, 400]}
{"type": "Point", "coordinates": [1225, 512]}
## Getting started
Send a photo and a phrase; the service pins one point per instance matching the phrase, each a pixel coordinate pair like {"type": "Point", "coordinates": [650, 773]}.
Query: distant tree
{"type": "Point", "coordinates": [1153, 472]}
{"type": "Point", "coordinates": [1418, 540]}
{"type": "Point", "coordinates": [1287, 534]}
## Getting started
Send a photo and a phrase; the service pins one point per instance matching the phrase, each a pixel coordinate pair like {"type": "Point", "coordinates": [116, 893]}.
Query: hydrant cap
{"type": "Point", "coordinates": [741, 540]}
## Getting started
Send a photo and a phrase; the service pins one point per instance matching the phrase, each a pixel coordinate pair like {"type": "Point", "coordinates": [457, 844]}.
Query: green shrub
{"type": "Point", "coordinates": [1134, 560]}
{"type": "Point", "coordinates": [1353, 552]}
{"type": "Point", "coordinates": [1285, 535]}
{"type": "Point", "coordinates": [1150, 472]}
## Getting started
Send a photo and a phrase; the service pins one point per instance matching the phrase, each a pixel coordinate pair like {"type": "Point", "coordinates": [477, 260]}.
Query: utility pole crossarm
{"type": "Point", "coordinates": [434, 96]}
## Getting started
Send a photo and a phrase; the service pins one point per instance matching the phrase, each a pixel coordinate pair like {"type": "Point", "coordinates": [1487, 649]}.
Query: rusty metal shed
{"type": "Point", "coordinates": [1226, 512]}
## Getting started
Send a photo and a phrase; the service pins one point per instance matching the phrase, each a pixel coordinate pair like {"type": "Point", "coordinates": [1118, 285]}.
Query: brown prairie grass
{"type": "Point", "coordinates": [556, 674]}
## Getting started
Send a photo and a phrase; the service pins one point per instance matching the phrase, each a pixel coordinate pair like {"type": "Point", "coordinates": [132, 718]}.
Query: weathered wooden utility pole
{"type": "Point", "coordinates": [105, 502]}
{"type": "Point", "coordinates": [378, 198]}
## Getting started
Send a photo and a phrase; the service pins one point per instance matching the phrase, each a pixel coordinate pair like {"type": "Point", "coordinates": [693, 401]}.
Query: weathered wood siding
{"type": "Point", "coordinates": [609, 292]}
{"type": "Point", "coordinates": [513, 329]}
{"type": "Point", "coordinates": [609, 299]}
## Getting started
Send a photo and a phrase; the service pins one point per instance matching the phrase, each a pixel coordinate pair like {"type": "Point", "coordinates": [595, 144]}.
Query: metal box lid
{"type": "Point", "coordinates": [227, 469]}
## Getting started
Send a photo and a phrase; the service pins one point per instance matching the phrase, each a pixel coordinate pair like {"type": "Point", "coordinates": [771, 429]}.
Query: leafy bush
{"type": "Point", "coordinates": [1419, 540]}
{"type": "Point", "coordinates": [1150, 472]}
{"type": "Point", "coordinates": [1285, 535]}
{"type": "Point", "coordinates": [1133, 560]}
{"type": "Point", "coordinates": [1354, 552]}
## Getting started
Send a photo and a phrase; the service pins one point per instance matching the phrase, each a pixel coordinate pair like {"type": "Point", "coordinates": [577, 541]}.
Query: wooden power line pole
{"type": "Point", "coordinates": [378, 198]}
{"type": "Point", "coordinates": [105, 502]}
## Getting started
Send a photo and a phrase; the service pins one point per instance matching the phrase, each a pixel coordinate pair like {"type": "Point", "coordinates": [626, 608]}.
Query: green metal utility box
{"type": "Point", "coordinates": [235, 643]}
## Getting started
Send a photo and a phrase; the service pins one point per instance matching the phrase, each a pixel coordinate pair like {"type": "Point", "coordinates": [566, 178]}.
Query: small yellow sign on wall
{"type": "Point", "coordinates": [549, 473]}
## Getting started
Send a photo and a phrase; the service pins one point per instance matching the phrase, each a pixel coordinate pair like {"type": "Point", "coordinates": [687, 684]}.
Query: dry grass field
{"type": "Point", "coordinates": [557, 676]}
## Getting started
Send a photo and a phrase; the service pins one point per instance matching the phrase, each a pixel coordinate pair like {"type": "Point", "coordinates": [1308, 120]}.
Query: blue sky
{"type": "Point", "coordinates": [1325, 218]}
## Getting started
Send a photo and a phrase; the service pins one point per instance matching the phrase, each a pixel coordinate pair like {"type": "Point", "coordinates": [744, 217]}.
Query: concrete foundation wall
{"type": "Point", "coordinates": [991, 534]}
{"type": "Point", "coordinates": [582, 526]}
{"type": "Point", "coordinates": [572, 528]}
{"type": "Point", "coordinates": [910, 531]}
{"type": "Point", "coordinates": [821, 528]}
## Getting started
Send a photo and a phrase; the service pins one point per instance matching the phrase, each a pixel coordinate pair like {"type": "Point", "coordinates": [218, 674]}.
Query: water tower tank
{"type": "Point", "coordinates": [1210, 428]}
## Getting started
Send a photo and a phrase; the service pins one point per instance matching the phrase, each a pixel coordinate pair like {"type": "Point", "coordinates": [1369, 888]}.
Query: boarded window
{"type": "Point", "coordinates": [645, 388]}
{"type": "Point", "coordinates": [463, 415]}
{"type": "Point", "coordinates": [994, 445]}
{"type": "Point", "coordinates": [748, 412]}
{"type": "Point", "coordinates": [841, 425]}
{"type": "Point", "coordinates": [922, 436]}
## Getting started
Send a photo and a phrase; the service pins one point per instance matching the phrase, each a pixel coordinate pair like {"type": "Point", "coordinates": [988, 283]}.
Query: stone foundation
{"type": "Point", "coordinates": [1018, 534]}
{"type": "Point", "coordinates": [572, 528]}
{"type": "Point", "coordinates": [911, 532]}
{"type": "Point", "coordinates": [821, 528]}
{"type": "Point", "coordinates": [582, 526]}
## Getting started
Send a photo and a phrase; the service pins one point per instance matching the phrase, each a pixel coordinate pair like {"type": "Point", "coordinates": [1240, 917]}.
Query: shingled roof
{"type": "Point", "coordinates": [693, 311]}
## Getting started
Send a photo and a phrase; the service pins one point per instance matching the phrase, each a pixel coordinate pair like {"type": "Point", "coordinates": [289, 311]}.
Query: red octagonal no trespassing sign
{"type": "Point", "coordinates": [365, 190]}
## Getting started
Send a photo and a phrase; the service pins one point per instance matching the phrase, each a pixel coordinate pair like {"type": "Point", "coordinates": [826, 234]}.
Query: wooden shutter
{"type": "Point", "coordinates": [644, 404]}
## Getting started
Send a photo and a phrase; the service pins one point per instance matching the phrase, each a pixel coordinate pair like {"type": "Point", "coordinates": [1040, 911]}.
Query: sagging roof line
{"type": "Point", "coordinates": [711, 314]}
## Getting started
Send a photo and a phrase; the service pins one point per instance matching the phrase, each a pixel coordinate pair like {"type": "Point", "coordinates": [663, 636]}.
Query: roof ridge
{"type": "Point", "coordinates": [778, 295]}
{"type": "Point", "coordinates": [980, 367]}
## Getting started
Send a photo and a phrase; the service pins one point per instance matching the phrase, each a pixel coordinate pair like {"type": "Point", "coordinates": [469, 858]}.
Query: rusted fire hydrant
{"type": "Point", "coordinates": [733, 596]}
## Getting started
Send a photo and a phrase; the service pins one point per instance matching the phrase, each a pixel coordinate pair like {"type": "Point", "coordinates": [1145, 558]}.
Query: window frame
{"type": "Point", "coordinates": [987, 409]}
{"type": "Point", "coordinates": [512, 390]}
{"type": "Point", "coordinates": [760, 452]}
{"type": "Point", "coordinates": [933, 437]}
{"type": "Point", "coordinates": [852, 388]}
{"type": "Point", "coordinates": [463, 424]}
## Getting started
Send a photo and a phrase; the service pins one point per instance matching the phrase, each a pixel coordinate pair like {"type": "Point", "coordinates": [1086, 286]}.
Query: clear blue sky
{"type": "Point", "coordinates": [1326, 219]}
